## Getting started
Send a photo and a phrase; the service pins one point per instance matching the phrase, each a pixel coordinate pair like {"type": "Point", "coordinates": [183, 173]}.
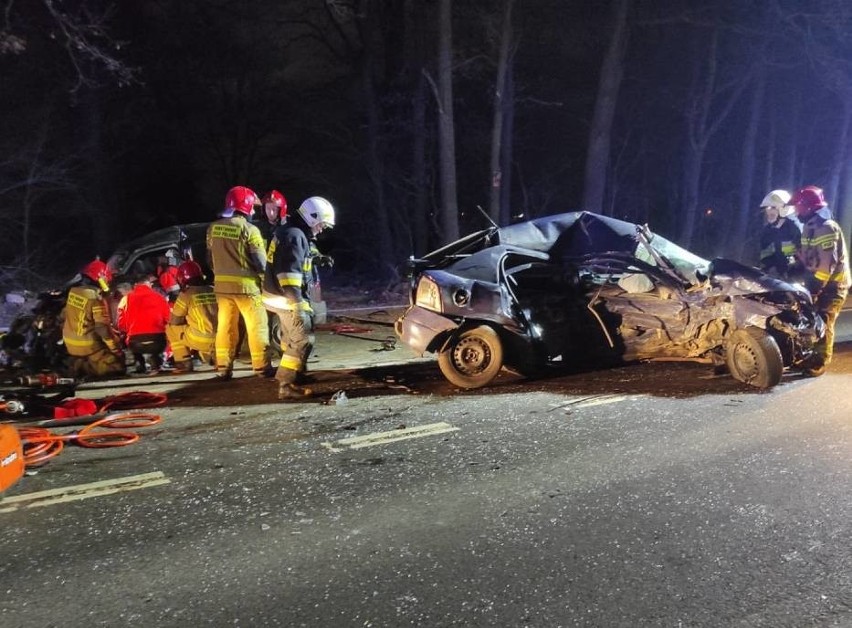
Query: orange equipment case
{"type": "Point", "coordinates": [11, 457]}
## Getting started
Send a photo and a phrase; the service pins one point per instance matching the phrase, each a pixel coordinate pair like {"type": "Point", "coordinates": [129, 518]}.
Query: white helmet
{"type": "Point", "coordinates": [317, 212]}
{"type": "Point", "coordinates": [778, 199]}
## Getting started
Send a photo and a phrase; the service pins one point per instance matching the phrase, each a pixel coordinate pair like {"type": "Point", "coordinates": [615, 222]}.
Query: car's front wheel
{"type": "Point", "coordinates": [753, 357]}
{"type": "Point", "coordinates": [472, 358]}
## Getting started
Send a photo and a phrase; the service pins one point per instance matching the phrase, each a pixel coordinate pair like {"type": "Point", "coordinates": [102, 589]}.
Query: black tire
{"type": "Point", "coordinates": [473, 358]}
{"type": "Point", "coordinates": [274, 335]}
{"type": "Point", "coordinates": [753, 357]}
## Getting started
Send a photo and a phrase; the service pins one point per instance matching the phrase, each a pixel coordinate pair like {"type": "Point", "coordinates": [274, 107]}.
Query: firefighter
{"type": "Point", "coordinates": [274, 214]}
{"type": "Point", "coordinates": [143, 319]}
{"type": "Point", "coordinates": [87, 331]}
{"type": "Point", "coordinates": [285, 290]}
{"type": "Point", "coordinates": [192, 324]}
{"type": "Point", "coordinates": [237, 258]}
{"type": "Point", "coordinates": [167, 274]}
{"type": "Point", "coordinates": [781, 237]}
{"type": "Point", "coordinates": [826, 265]}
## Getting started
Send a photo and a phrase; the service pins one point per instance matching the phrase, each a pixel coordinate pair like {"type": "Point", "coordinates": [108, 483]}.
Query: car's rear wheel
{"type": "Point", "coordinates": [473, 358]}
{"type": "Point", "coordinates": [753, 357]}
{"type": "Point", "coordinates": [274, 334]}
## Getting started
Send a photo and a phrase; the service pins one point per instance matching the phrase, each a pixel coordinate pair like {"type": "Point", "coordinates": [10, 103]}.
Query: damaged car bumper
{"type": "Point", "coordinates": [419, 327]}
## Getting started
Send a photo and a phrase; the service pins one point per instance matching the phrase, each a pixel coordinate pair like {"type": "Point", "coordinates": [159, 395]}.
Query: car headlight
{"type": "Point", "coordinates": [428, 295]}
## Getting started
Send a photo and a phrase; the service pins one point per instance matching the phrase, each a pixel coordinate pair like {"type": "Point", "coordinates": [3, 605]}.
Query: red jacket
{"type": "Point", "coordinates": [145, 312]}
{"type": "Point", "coordinates": [168, 281]}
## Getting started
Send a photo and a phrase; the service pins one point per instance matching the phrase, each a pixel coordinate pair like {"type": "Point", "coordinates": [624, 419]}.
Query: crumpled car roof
{"type": "Point", "coordinates": [571, 234]}
{"type": "Point", "coordinates": [167, 235]}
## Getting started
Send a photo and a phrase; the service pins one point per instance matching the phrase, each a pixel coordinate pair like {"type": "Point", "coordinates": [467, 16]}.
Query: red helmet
{"type": "Point", "coordinates": [241, 199]}
{"type": "Point", "coordinates": [807, 201]}
{"type": "Point", "coordinates": [275, 206]}
{"type": "Point", "coordinates": [189, 273]}
{"type": "Point", "coordinates": [99, 272]}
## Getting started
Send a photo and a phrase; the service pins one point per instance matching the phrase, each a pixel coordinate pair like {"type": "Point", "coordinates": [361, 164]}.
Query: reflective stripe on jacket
{"type": "Point", "coordinates": [284, 281]}
{"type": "Point", "coordinates": [237, 258]}
{"type": "Point", "coordinates": [824, 254]}
{"type": "Point", "coordinates": [196, 308]}
{"type": "Point", "coordinates": [778, 242]}
{"type": "Point", "coordinates": [87, 322]}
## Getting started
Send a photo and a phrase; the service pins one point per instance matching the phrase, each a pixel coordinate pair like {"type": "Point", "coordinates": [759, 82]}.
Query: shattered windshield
{"type": "Point", "coordinates": [688, 265]}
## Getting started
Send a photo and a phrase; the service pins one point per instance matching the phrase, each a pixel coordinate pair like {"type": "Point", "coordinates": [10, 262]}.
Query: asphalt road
{"type": "Point", "coordinates": [655, 495]}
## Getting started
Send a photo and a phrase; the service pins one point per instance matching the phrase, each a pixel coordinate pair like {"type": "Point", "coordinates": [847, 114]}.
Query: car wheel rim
{"type": "Point", "coordinates": [746, 361]}
{"type": "Point", "coordinates": [471, 356]}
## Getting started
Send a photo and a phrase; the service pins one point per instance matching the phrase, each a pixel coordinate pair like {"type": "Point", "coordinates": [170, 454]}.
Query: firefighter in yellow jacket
{"type": "Point", "coordinates": [192, 323]}
{"type": "Point", "coordinates": [87, 331]}
{"type": "Point", "coordinates": [237, 258]}
{"type": "Point", "coordinates": [826, 264]}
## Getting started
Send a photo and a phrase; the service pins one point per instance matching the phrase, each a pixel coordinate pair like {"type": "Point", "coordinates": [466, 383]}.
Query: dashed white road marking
{"type": "Point", "coordinates": [82, 491]}
{"type": "Point", "coordinates": [381, 438]}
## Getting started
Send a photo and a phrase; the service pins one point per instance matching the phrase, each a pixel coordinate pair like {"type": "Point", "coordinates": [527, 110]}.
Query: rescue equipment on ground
{"type": "Point", "coordinates": [11, 457]}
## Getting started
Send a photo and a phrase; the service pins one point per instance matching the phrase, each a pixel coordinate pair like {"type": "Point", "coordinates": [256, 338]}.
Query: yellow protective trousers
{"type": "Point", "coordinates": [100, 363]}
{"type": "Point", "coordinates": [183, 342]}
{"type": "Point", "coordinates": [250, 306]}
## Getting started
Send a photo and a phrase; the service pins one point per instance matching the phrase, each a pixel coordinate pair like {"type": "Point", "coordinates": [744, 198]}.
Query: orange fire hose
{"type": "Point", "coordinates": [40, 444]}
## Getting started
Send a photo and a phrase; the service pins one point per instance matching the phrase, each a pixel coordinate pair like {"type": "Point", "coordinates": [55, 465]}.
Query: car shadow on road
{"type": "Point", "coordinates": [661, 379]}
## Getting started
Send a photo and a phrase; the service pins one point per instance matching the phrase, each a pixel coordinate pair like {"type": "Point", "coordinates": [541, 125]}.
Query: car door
{"type": "Point", "coordinates": [642, 309]}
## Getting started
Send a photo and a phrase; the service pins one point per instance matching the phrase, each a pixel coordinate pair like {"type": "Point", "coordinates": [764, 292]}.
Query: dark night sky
{"type": "Point", "coordinates": [317, 98]}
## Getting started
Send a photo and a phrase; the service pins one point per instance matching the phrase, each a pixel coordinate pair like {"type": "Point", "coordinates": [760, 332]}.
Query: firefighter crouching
{"type": "Point", "coordinates": [285, 290]}
{"type": "Point", "coordinates": [826, 265]}
{"type": "Point", "coordinates": [87, 332]}
{"type": "Point", "coordinates": [192, 324]}
{"type": "Point", "coordinates": [237, 258]}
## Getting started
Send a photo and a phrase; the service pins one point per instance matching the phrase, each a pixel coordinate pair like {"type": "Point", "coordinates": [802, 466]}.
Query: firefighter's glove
{"type": "Point", "coordinates": [324, 260]}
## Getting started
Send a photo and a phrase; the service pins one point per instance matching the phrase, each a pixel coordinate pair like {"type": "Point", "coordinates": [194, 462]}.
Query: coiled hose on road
{"type": "Point", "coordinates": [40, 444]}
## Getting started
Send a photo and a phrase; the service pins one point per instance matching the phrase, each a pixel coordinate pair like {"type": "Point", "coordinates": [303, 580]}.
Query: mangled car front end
{"type": "Point", "coordinates": [581, 290]}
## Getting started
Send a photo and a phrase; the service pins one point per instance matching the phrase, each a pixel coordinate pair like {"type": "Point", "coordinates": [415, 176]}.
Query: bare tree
{"type": "Point", "coordinates": [709, 103]}
{"type": "Point", "coordinates": [498, 134]}
{"type": "Point", "coordinates": [744, 209]}
{"type": "Point", "coordinates": [612, 70]}
{"type": "Point", "coordinates": [446, 128]}
{"type": "Point", "coordinates": [83, 32]}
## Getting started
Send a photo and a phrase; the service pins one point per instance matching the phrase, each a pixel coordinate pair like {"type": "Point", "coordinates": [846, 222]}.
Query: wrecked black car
{"type": "Point", "coordinates": [577, 291]}
{"type": "Point", "coordinates": [145, 253]}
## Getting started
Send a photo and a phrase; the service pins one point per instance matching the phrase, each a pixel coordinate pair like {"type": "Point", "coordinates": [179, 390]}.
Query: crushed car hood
{"type": "Point", "coordinates": [738, 279]}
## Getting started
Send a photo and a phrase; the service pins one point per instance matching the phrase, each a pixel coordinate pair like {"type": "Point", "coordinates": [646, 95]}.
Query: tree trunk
{"type": "Point", "coordinates": [691, 190]}
{"type": "Point", "coordinates": [497, 127]}
{"type": "Point", "coordinates": [703, 99]}
{"type": "Point", "coordinates": [612, 70]}
{"type": "Point", "coordinates": [842, 134]}
{"type": "Point", "coordinates": [446, 131]}
{"type": "Point", "coordinates": [420, 207]}
{"type": "Point", "coordinates": [788, 171]}
{"type": "Point", "coordinates": [507, 145]}
{"type": "Point", "coordinates": [840, 191]}
{"type": "Point", "coordinates": [418, 224]}
{"type": "Point", "coordinates": [744, 208]}
{"type": "Point", "coordinates": [372, 53]}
